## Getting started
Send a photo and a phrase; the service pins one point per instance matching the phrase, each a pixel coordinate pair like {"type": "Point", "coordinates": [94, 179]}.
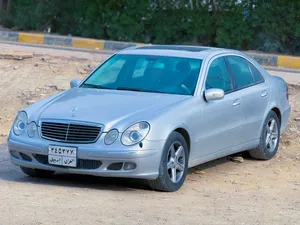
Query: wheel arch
{"type": "Point", "coordinates": [186, 136]}
{"type": "Point", "coordinates": [274, 109]}
{"type": "Point", "coordinates": [278, 113]}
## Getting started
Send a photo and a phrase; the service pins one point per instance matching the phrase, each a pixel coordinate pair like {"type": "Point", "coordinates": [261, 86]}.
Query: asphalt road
{"type": "Point", "coordinates": [53, 50]}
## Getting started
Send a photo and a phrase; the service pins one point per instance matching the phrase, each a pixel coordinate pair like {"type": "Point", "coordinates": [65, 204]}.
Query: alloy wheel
{"type": "Point", "coordinates": [271, 135]}
{"type": "Point", "coordinates": [176, 161]}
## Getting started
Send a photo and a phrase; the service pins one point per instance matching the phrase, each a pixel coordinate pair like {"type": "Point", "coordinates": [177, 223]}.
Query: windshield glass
{"type": "Point", "coordinates": [147, 73]}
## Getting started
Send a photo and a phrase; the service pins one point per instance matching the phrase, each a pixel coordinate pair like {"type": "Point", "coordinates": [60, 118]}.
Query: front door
{"type": "Point", "coordinates": [219, 127]}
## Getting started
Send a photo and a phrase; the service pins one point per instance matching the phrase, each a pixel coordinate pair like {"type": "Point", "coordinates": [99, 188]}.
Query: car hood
{"type": "Point", "coordinates": [107, 107]}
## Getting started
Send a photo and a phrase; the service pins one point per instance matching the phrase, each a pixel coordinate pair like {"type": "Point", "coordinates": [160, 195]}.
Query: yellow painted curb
{"type": "Point", "coordinates": [88, 43]}
{"type": "Point", "coordinates": [141, 44]}
{"type": "Point", "coordinates": [289, 61]}
{"type": "Point", "coordinates": [31, 38]}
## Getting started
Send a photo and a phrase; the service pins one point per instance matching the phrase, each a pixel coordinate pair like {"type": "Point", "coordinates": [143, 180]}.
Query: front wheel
{"type": "Point", "coordinates": [269, 138]}
{"type": "Point", "coordinates": [173, 166]}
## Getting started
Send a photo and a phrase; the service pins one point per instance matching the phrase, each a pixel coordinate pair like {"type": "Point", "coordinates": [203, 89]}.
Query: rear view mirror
{"type": "Point", "coordinates": [75, 83]}
{"type": "Point", "coordinates": [214, 94]}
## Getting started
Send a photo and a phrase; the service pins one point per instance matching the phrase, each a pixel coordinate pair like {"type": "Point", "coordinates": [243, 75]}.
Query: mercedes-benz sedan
{"type": "Point", "coordinates": [152, 112]}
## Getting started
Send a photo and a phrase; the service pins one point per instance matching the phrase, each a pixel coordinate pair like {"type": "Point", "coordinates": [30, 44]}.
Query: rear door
{"type": "Point", "coordinates": [254, 93]}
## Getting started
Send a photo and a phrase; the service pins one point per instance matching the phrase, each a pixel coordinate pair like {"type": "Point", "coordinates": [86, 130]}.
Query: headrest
{"type": "Point", "coordinates": [183, 66]}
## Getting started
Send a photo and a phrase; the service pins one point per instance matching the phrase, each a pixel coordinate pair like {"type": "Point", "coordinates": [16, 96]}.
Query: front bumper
{"type": "Point", "coordinates": [146, 160]}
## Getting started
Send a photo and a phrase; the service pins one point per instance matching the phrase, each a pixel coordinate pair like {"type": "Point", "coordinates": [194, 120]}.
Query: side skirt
{"type": "Point", "coordinates": [223, 153]}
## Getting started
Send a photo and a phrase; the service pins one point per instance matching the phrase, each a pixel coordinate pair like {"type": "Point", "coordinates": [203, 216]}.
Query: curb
{"type": "Point", "coordinates": [276, 60]}
{"type": "Point", "coordinates": [87, 43]}
{"type": "Point", "coordinates": [65, 41]}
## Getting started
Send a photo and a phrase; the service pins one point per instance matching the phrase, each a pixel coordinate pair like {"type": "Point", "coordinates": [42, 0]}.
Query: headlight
{"type": "Point", "coordinates": [111, 137]}
{"type": "Point", "coordinates": [20, 123]}
{"type": "Point", "coordinates": [135, 133]}
{"type": "Point", "coordinates": [31, 130]}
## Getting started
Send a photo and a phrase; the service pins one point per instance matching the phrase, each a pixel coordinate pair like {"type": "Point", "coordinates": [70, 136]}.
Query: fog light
{"type": "Point", "coordinates": [129, 166]}
{"type": "Point", "coordinates": [115, 166]}
{"type": "Point", "coordinates": [25, 157]}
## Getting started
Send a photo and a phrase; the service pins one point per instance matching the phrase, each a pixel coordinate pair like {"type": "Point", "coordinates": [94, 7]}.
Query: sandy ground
{"type": "Point", "coordinates": [219, 192]}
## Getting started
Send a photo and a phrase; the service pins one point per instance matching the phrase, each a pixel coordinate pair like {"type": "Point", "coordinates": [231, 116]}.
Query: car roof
{"type": "Point", "coordinates": [198, 52]}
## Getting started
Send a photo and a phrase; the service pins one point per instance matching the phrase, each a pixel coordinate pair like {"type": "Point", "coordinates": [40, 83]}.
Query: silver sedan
{"type": "Point", "coordinates": [152, 112]}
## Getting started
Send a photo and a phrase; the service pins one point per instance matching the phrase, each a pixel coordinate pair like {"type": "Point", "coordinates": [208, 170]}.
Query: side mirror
{"type": "Point", "coordinates": [75, 83]}
{"type": "Point", "coordinates": [214, 94]}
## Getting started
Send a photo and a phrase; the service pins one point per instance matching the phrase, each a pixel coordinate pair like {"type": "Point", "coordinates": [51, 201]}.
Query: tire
{"type": "Point", "coordinates": [177, 160]}
{"type": "Point", "coordinates": [264, 150]}
{"type": "Point", "coordinates": [37, 172]}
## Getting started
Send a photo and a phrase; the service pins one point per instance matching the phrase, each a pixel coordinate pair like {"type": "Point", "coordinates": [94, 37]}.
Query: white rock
{"type": "Point", "coordinates": [237, 159]}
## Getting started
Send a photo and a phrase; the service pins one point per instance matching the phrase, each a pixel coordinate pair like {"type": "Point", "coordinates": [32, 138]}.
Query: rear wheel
{"type": "Point", "coordinates": [269, 138]}
{"type": "Point", "coordinates": [37, 172]}
{"type": "Point", "coordinates": [173, 166]}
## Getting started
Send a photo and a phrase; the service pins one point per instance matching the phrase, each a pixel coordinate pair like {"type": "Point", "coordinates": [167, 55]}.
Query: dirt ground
{"type": "Point", "coordinates": [32, 77]}
{"type": "Point", "coordinates": [219, 192]}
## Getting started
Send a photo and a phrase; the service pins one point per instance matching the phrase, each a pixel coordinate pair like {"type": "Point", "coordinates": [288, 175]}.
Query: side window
{"type": "Point", "coordinates": [256, 74]}
{"type": "Point", "coordinates": [241, 71]}
{"type": "Point", "coordinates": [218, 76]}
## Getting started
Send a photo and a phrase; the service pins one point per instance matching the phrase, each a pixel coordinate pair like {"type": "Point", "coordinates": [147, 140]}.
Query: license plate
{"type": "Point", "coordinates": [62, 156]}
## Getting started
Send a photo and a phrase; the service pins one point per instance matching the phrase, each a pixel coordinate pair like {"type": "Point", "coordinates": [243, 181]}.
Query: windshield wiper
{"type": "Point", "coordinates": [96, 86]}
{"type": "Point", "coordinates": [137, 89]}
{"type": "Point", "coordinates": [120, 88]}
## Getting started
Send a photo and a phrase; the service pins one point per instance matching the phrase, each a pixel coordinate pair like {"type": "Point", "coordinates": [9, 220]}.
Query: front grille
{"type": "Point", "coordinates": [70, 132]}
{"type": "Point", "coordinates": [81, 163]}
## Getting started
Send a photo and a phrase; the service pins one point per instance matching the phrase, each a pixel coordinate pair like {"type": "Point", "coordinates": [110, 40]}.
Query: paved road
{"type": "Point", "coordinates": [53, 51]}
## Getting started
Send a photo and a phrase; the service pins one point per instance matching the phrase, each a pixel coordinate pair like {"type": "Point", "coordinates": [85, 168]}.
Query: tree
{"type": "Point", "coordinates": [5, 5]}
{"type": "Point", "coordinates": [233, 27]}
{"type": "Point", "coordinates": [231, 23]}
{"type": "Point", "coordinates": [279, 19]}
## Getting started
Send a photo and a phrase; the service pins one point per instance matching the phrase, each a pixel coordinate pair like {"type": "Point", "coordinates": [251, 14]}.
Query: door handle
{"type": "Point", "coordinates": [236, 102]}
{"type": "Point", "coordinates": [264, 94]}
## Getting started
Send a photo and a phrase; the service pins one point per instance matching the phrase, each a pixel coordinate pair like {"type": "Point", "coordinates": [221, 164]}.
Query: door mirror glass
{"type": "Point", "coordinates": [214, 94]}
{"type": "Point", "coordinates": [75, 83]}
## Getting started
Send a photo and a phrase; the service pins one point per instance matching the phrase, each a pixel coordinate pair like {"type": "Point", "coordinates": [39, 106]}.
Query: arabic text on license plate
{"type": "Point", "coordinates": [63, 156]}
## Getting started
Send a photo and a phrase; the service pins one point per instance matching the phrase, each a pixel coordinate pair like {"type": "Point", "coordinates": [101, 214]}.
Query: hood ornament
{"type": "Point", "coordinates": [73, 111]}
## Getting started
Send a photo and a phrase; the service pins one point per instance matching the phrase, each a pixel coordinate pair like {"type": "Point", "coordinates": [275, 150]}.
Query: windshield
{"type": "Point", "coordinates": [147, 73]}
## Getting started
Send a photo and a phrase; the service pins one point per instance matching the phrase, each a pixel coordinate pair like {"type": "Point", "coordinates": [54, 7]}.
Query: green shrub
{"type": "Point", "coordinates": [233, 28]}
{"type": "Point", "coordinates": [279, 19]}
{"type": "Point", "coordinates": [6, 19]}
